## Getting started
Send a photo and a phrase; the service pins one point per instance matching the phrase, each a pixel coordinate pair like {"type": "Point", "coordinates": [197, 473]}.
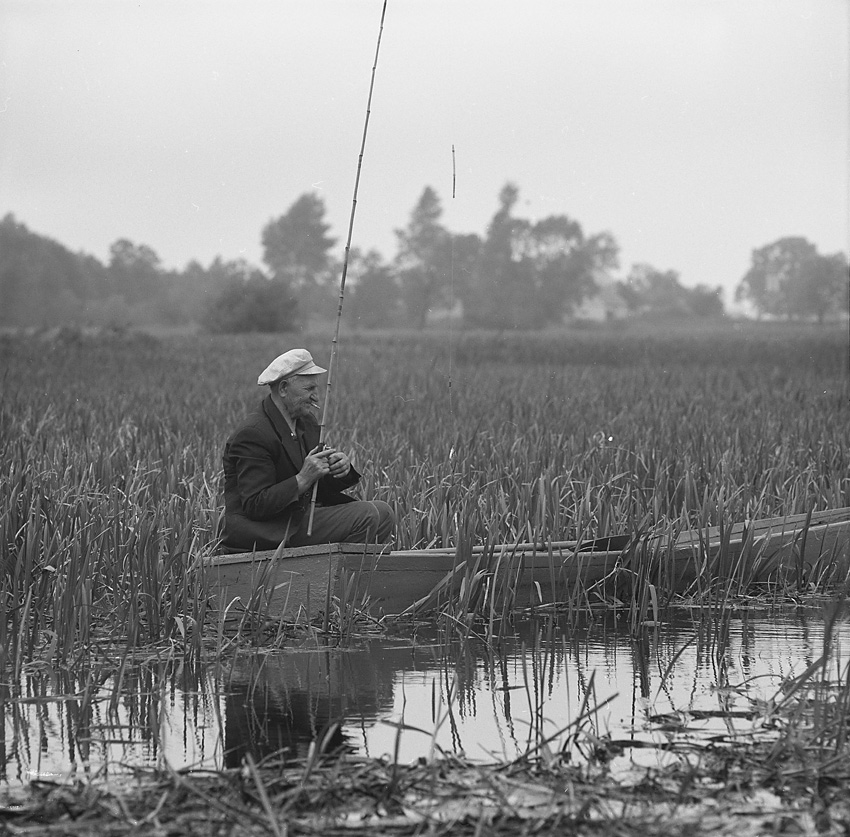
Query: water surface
{"type": "Point", "coordinates": [580, 690]}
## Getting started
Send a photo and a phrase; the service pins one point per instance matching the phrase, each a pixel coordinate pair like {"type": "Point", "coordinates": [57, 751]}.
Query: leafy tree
{"type": "Point", "coordinates": [597, 254]}
{"type": "Point", "coordinates": [823, 289]}
{"type": "Point", "coordinates": [549, 245]}
{"type": "Point", "coordinates": [249, 301]}
{"type": "Point", "coordinates": [135, 271]}
{"type": "Point", "coordinates": [41, 282]}
{"type": "Point", "coordinates": [651, 291]}
{"type": "Point", "coordinates": [706, 301]}
{"type": "Point", "coordinates": [790, 279]}
{"type": "Point", "coordinates": [532, 274]}
{"type": "Point", "coordinates": [296, 248]}
{"type": "Point", "coordinates": [424, 259]}
{"type": "Point", "coordinates": [95, 276]}
{"type": "Point", "coordinates": [565, 265]}
{"type": "Point", "coordinates": [502, 281]}
{"type": "Point", "coordinates": [375, 294]}
{"type": "Point", "coordinates": [191, 291]}
{"type": "Point", "coordinates": [465, 255]}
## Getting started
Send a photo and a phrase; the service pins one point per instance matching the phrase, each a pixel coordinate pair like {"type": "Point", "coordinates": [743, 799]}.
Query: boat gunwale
{"type": "Point", "coordinates": [695, 538]}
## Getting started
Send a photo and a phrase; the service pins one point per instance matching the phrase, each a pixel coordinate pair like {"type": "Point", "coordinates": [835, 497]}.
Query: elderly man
{"type": "Point", "coordinates": [273, 459]}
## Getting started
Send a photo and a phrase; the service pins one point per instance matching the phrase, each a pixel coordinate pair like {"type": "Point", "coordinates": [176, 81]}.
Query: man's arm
{"type": "Point", "coordinates": [261, 495]}
{"type": "Point", "coordinates": [341, 473]}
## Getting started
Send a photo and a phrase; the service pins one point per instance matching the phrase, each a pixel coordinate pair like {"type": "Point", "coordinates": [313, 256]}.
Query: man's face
{"type": "Point", "coordinates": [301, 395]}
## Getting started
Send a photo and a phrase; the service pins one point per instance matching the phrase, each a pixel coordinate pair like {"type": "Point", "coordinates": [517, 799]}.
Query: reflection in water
{"type": "Point", "coordinates": [409, 697]}
{"type": "Point", "coordinates": [93, 721]}
{"type": "Point", "coordinates": [279, 704]}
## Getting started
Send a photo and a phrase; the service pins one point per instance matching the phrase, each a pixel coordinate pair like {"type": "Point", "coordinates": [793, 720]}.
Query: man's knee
{"type": "Point", "coordinates": [376, 521]}
{"type": "Point", "coordinates": [384, 520]}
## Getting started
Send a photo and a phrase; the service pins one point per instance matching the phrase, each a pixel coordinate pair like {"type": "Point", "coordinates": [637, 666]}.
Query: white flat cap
{"type": "Point", "coordinates": [293, 362]}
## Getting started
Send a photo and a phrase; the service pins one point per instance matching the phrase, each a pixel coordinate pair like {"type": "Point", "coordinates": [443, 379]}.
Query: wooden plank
{"type": "Point", "coordinates": [392, 562]}
{"type": "Point", "coordinates": [393, 585]}
{"type": "Point", "coordinates": [285, 584]}
{"type": "Point", "coordinates": [820, 552]}
{"type": "Point", "coordinates": [316, 550]}
{"type": "Point", "coordinates": [774, 525]}
{"type": "Point", "coordinates": [268, 588]}
{"type": "Point", "coordinates": [394, 581]}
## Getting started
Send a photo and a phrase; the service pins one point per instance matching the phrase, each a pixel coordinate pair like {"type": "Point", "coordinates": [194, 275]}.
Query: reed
{"type": "Point", "coordinates": [111, 451]}
{"type": "Point", "coordinates": [812, 708]}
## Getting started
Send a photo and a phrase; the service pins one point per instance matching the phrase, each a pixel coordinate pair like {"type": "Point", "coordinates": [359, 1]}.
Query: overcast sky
{"type": "Point", "coordinates": [692, 130]}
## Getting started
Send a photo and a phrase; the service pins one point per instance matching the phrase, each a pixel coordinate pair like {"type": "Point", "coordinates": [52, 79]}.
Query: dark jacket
{"type": "Point", "coordinates": [261, 459]}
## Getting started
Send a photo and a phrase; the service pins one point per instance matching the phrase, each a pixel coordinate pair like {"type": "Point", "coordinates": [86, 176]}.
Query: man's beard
{"type": "Point", "coordinates": [304, 409]}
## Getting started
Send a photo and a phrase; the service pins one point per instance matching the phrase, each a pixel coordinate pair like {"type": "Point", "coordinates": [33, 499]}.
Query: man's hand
{"type": "Point", "coordinates": [315, 467]}
{"type": "Point", "coordinates": [338, 464]}
{"type": "Point", "coordinates": [321, 462]}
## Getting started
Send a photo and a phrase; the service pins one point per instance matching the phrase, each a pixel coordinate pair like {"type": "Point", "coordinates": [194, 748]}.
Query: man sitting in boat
{"type": "Point", "coordinates": [272, 461]}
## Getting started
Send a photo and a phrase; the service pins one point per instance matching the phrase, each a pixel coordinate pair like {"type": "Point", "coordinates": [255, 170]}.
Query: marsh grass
{"type": "Point", "coordinates": [812, 710]}
{"type": "Point", "coordinates": [111, 448]}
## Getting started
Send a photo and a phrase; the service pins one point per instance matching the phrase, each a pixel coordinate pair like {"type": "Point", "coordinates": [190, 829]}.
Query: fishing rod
{"type": "Point", "coordinates": [335, 341]}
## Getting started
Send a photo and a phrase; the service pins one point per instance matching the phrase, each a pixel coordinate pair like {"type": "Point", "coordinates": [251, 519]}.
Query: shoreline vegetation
{"type": "Point", "coordinates": [740, 792]}
{"type": "Point", "coordinates": [788, 775]}
{"type": "Point", "coordinates": [109, 504]}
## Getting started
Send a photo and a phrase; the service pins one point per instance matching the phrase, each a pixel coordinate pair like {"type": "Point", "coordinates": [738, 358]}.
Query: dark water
{"type": "Point", "coordinates": [414, 696]}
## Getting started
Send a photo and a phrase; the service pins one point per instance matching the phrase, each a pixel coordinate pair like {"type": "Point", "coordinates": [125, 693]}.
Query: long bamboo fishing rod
{"type": "Point", "coordinates": [335, 341]}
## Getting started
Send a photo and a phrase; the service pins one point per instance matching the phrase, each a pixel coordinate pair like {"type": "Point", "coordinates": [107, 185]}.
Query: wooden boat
{"type": "Point", "coordinates": [300, 582]}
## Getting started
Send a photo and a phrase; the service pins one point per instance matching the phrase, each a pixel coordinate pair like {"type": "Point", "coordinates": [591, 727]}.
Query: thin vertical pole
{"type": "Point", "coordinates": [335, 341]}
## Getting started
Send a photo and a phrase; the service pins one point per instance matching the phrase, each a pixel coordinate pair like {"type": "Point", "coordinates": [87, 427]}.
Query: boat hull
{"type": "Point", "coordinates": [300, 583]}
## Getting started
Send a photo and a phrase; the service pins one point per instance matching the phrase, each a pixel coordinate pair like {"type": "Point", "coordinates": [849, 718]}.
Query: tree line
{"type": "Point", "coordinates": [519, 274]}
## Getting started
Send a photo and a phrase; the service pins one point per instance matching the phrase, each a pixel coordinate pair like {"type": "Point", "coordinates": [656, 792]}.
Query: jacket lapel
{"type": "Point", "coordinates": [281, 428]}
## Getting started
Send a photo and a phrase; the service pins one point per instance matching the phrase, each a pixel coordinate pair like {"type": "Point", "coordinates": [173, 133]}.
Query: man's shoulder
{"type": "Point", "coordinates": [255, 423]}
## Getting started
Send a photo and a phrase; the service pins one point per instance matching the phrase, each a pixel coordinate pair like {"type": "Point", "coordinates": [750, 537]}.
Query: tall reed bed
{"type": "Point", "coordinates": [111, 452]}
{"type": "Point", "coordinates": [541, 433]}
